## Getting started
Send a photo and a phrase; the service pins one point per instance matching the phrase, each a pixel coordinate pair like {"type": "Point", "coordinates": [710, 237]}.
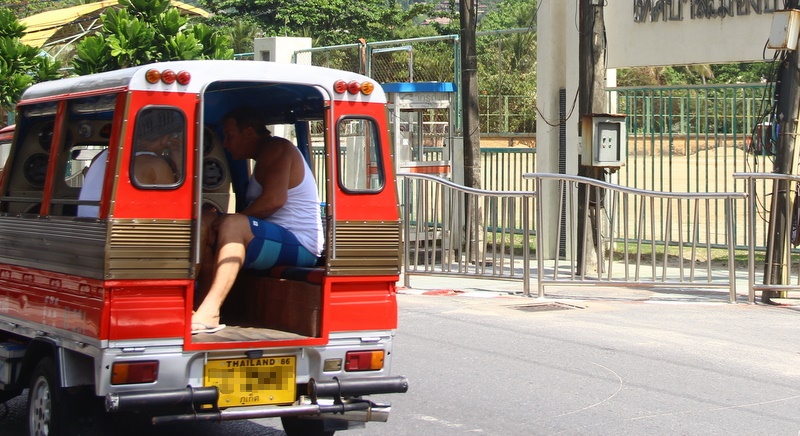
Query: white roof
{"type": "Point", "coordinates": [202, 73]}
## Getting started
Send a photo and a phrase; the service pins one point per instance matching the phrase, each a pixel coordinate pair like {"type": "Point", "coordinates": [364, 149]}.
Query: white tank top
{"type": "Point", "coordinates": [301, 212]}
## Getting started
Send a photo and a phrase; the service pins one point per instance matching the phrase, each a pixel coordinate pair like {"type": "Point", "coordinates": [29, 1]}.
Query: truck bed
{"type": "Point", "coordinates": [244, 333]}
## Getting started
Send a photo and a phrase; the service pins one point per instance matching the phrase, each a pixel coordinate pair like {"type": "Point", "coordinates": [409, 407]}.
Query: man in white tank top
{"type": "Point", "coordinates": [281, 224]}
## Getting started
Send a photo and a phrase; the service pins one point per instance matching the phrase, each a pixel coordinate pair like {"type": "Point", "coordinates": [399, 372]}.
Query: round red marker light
{"type": "Point", "coordinates": [353, 87]}
{"type": "Point", "coordinates": [184, 77]}
{"type": "Point", "coordinates": [152, 76]}
{"type": "Point", "coordinates": [340, 86]}
{"type": "Point", "coordinates": [168, 77]}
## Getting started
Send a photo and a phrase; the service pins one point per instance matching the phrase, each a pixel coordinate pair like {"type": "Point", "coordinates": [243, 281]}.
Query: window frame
{"type": "Point", "coordinates": [179, 168]}
{"type": "Point", "coordinates": [380, 165]}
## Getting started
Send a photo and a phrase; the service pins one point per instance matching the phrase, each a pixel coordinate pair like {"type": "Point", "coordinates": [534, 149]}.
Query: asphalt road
{"type": "Point", "coordinates": [508, 366]}
{"type": "Point", "coordinates": [493, 366]}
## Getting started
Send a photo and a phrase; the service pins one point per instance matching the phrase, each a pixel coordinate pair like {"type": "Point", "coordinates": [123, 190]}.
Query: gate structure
{"type": "Point", "coordinates": [693, 139]}
{"type": "Point", "coordinates": [649, 238]}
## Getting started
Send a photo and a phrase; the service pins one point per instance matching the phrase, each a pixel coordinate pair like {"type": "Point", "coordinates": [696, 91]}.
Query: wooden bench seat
{"type": "Point", "coordinates": [286, 298]}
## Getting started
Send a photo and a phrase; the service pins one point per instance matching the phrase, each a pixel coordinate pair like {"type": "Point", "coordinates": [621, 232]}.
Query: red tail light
{"type": "Point", "coordinates": [364, 360]}
{"type": "Point", "coordinates": [124, 373]}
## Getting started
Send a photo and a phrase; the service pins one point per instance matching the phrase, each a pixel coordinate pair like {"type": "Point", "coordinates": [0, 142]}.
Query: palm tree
{"type": "Point", "coordinates": [242, 33]}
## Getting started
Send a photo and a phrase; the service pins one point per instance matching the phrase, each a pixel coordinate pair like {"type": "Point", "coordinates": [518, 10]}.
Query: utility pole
{"type": "Point", "coordinates": [472, 133]}
{"type": "Point", "coordinates": [469, 94]}
{"type": "Point", "coordinates": [787, 94]}
{"type": "Point", "coordinates": [591, 100]}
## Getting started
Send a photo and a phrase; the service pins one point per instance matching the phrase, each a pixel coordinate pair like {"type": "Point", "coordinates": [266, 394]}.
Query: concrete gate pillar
{"type": "Point", "coordinates": [557, 69]}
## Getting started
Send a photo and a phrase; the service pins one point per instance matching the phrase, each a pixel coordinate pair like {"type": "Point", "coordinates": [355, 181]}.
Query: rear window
{"type": "Point", "coordinates": [159, 148]}
{"type": "Point", "coordinates": [360, 165]}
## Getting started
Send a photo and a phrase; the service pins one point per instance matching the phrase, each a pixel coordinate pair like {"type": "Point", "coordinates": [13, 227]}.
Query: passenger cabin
{"type": "Point", "coordinates": [123, 265]}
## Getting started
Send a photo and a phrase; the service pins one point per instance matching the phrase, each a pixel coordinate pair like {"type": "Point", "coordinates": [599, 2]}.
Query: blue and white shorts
{"type": "Point", "coordinates": [274, 245]}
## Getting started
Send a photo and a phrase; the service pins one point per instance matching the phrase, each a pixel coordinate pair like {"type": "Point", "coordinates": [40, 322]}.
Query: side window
{"type": "Point", "coordinates": [87, 132]}
{"type": "Point", "coordinates": [159, 147]}
{"type": "Point", "coordinates": [24, 187]}
{"type": "Point", "coordinates": [360, 165]}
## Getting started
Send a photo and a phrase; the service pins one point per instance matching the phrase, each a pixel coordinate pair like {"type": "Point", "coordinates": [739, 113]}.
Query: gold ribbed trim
{"type": "Point", "coordinates": [149, 249]}
{"type": "Point", "coordinates": [365, 248]}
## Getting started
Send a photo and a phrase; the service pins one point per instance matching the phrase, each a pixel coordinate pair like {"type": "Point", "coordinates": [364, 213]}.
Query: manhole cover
{"type": "Point", "coordinates": [544, 307]}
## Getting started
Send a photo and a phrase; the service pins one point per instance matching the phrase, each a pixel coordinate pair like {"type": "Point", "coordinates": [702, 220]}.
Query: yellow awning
{"type": "Point", "coordinates": [42, 27]}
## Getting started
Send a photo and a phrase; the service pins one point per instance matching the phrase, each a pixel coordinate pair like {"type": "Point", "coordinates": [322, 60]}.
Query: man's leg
{"type": "Point", "coordinates": [232, 238]}
{"type": "Point", "coordinates": [204, 271]}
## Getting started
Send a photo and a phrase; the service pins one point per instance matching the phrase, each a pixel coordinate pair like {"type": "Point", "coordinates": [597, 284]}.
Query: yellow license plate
{"type": "Point", "coordinates": [250, 382]}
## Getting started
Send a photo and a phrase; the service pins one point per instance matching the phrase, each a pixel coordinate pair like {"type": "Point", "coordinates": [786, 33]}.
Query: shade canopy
{"type": "Point", "coordinates": [65, 26]}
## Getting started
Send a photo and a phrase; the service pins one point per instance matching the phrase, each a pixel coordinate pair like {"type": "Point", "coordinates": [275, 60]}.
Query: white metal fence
{"type": "Point", "coordinates": [647, 238]}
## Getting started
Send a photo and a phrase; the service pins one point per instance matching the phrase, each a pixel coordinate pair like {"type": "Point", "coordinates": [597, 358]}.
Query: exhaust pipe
{"type": "Point", "coordinates": [330, 399]}
{"type": "Point", "coordinates": [360, 411]}
{"type": "Point", "coordinates": [133, 401]}
{"type": "Point", "coordinates": [356, 387]}
{"type": "Point", "coordinates": [376, 412]}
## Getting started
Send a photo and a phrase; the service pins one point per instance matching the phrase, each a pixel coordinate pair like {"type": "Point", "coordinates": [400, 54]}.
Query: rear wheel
{"type": "Point", "coordinates": [44, 400]}
{"type": "Point", "coordinates": [294, 426]}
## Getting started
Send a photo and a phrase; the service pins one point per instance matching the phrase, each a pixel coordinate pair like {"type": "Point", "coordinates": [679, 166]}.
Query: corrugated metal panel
{"type": "Point", "coordinates": [150, 249]}
{"type": "Point", "coordinates": [365, 248]}
{"type": "Point", "coordinates": [66, 246]}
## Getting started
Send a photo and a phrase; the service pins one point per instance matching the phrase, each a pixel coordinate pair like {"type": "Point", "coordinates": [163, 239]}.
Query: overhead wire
{"type": "Point", "coordinates": [577, 90]}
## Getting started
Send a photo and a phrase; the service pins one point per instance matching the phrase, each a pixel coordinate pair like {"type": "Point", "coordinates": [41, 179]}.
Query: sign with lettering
{"type": "Point", "coordinates": [683, 32]}
{"type": "Point", "coordinates": [423, 100]}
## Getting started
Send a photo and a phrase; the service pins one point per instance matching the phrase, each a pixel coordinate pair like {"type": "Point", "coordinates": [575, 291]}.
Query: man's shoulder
{"type": "Point", "coordinates": [278, 141]}
{"type": "Point", "coordinates": [278, 148]}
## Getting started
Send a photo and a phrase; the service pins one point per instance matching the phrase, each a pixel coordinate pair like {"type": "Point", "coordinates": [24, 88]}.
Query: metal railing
{"type": "Point", "coordinates": [784, 275]}
{"type": "Point", "coordinates": [502, 168]}
{"type": "Point", "coordinates": [453, 230]}
{"type": "Point", "coordinates": [646, 238]}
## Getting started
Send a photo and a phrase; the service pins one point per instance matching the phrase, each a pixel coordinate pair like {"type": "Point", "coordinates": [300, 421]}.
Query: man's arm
{"type": "Point", "coordinates": [273, 171]}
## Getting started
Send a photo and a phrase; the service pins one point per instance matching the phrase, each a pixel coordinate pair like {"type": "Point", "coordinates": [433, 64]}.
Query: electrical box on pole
{"type": "Point", "coordinates": [604, 140]}
{"type": "Point", "coordinates": [784, 32]}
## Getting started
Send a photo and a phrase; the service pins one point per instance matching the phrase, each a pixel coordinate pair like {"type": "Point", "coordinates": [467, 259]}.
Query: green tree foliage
{"type": "Point", "coordinates": [754, 72]}
{"type": "Point", "coordinates": [328, 22]}
{"type": "Point", "coordinates": [507, 65]}
{"type": "Point", "coordinates": [146, 31]}
{"type": "Point", "coordinates": [745, 73]}
{"type": "Point", "coordinates": [242, 32]}
{"type": "Point", "coordinates": [20, 65]}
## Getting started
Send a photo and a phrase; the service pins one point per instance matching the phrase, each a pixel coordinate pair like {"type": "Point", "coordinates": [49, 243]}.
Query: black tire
{"type": "Point", "coordinates": [294, 426]}
{"type": "Point", "coordinates": [45, 416]}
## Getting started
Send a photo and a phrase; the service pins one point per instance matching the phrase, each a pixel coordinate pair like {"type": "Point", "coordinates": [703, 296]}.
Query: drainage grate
{"type": "Point", "coordinates": [544, 307]}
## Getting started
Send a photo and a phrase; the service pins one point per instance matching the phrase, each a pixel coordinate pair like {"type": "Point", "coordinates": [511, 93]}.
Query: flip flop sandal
{"type": "Point", "coordinates": [205, 328]}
